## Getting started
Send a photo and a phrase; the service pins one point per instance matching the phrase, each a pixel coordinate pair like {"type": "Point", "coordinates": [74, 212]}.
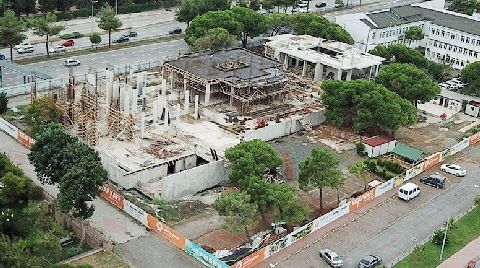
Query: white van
{"type": "Point", "coordinates": [408, 191]}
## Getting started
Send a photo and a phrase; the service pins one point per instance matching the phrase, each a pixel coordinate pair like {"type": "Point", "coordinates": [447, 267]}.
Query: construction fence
{"type": "Point", "coordinates": [208, 259]}
{"type": "Point", "coordinates": [46, 85]}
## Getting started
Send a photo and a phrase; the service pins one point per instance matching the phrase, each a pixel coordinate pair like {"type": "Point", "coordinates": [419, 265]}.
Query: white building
{"type": "Point", "coordinates": [450, 37]}
{"type": "Point", "coordinates": [319, 59]}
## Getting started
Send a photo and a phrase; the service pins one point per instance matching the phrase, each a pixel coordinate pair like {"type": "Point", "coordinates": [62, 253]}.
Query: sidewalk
{"type": "Point", "coordinates": [460, 259]}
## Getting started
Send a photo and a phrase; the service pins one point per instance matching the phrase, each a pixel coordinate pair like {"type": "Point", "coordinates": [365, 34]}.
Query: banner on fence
{"type": "Point", "coordinates": [457, 147]}
{"type": "Point", "coordinates": [414, 171]}
{"type": "Point", "coordinates": [136, 212]}
{"type": "Point", "coordinates": [112, 196]}
{"type": "Point", "coordinates": [431, 161]}
{"type": "Point", "coordinates": [384, 187]}
{"type": "Point", "coordinates": [166, 231]}
{"type": "Point", "coordinates": [251, 260]}
{"type": "Point", "coordinates": [474, 138]}
{"type": "Point", "coordinates": [25, 139]}
{"type": "Point", "coordinates": [362, 200]}
{"type": "Point", "coordinates": [341, 210]}
{"type": "Point", "coordinates": [398, 180]}
{"type": "Point", "coordinates": [9, 128]}
{"type": "Point", "coordinates": [203, 256]}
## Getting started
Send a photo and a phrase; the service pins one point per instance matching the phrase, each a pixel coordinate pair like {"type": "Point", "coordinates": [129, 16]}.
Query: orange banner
{"type": "Point", "coordinates": [362, 200]}
{"type": "Point", "coordinates": [475, 138]}
{"type": "Point", "coordinates": [432, 160]}
{"type": "Point", "coordinates": [24, 139]}
{"type": "Point", "coordinates": [166, 231]}
{"type": "Point", "coordinates": [251, 260]}
{"type": "Point", "coordinates": [112, 196]}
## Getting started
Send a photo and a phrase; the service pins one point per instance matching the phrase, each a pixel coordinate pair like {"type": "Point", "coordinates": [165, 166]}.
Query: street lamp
{"type": "Point", "coordinates": [93, 2]}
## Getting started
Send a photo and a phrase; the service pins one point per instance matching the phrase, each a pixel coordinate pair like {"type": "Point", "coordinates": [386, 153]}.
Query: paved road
{"type": "Point", "coordinates": [394, 227]}
{"type": "Point", "coordinates": [138, 247]}
{"type": "Point", "coordinates": [118, 58]}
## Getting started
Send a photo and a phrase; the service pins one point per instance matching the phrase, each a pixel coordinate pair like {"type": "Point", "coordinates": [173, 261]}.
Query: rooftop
{"type": "Point", "coordinates": [407, 152]}
{"type": "Point", "coordinates": [378, 140]}
{"type": "Point", "coordinates": [238, 66]}
{"type": "Point", "coordinates": [330, 53]}
{"type": "Point", "coordinates": [411, 13]}
{"type": "Point", "coordinates": [458, 96]}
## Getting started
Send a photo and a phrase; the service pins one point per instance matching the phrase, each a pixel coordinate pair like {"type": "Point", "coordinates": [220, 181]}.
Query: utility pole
{"type": "Point", "coordinates": [444, 239]}
{"type": "Point", "coordinates": [93, 2]}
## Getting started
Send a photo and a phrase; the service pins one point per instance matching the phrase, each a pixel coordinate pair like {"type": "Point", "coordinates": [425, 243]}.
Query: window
{"type": "Point", "coordinates": [373, 35]}
{"type": "Point", "coordinates": [462, 38]}
{"type": "Point", "coordinates": [452, 36]}
{"type": "Point", "coordinates": [478, 42]}
{"type": "Point", "coordinates": [435, 43]}
{"type": "Point", "coordinates": [470, 53]}
{"type": "Point", "coordinates": [460, 50]}
{"type": "Point", "coordinates": [443, 33]}
{"type": "Point", "coordinates": [433, 31]}
{"type": "Point", "coordinates": [449, 47]}
{"type": "Point", "coordinates": [475, 54]}
{"type": "Point", "coordinates": [462, 63]}
{"type": "Point", "coordinates": [454, 49]}
{"type": "Point", "coordinates": [467, 40]}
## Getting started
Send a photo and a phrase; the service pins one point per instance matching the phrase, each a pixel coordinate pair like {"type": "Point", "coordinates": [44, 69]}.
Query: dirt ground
{"type": "Point", "coordinates": [102, 259]}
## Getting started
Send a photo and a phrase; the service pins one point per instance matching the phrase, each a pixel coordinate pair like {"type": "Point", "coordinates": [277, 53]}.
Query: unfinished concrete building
{"type": "Point", "coordinates": [318, 59]}
{"type": "Point", "coordinates": [237, 75]}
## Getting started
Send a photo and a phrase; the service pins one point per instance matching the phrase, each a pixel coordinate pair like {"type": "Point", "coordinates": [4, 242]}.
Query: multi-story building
{"type": "Point", "coordinates": [449, 37]}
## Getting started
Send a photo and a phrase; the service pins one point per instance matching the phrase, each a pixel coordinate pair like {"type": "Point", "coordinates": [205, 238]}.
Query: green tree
{"type": "Point", "coordinates": [48, 5]}
{"type": "Point", "coordinates": [46, 26]}
{"type": "Point", "coordinates": [276, 22]}
{"type": "Point", "coordinates": [239, 211]}
{"type": "Point", "coordinates": [212, 19]}
{"type": "Point", "coordinates": [400, 54]}
{"type": "Point", "coordinates": [439, 72]}
{"type": "Point", "coordinates": [187, 10]}
{"type": "Point", "coordinates": [289, 205]}
{"type": "Point", "coordinates": [14, 188]}
{"type": "Point", "coordinates": [383, 110]}
{"type": "Point", "coordinates": [470, 75]}
{"type": "Point", "coordinates": [319, 170]}
{"type": "Point", "coordinates": [414, 33]}
{"type": "Point", "coordinates": [261, 193]}
{"type": "Point", "coordinates": [108, 21]}
{"type": "Point", "coordinates": [253, 23]}
{"type": "Point", "coordinates": [41, 112]}
{"type": "Point", "coordinates": [359, 169]}
{"type": "Point", "coordinates": [409, 82]}
{"type": "Point", "coordinates": [12, 31]}
{"type": "Point", "coordinates": [215, 39]}
{"type": "Point", "coordinates": [252, 158]}
{"type": "Point", "coordinates": [314, 25]}
{"type": "Point", "coordinates": [464, 6]}
{"type": "Point", "coordinates": [95, 39]}
{"type": "Point", "coordinates": [3, 102]}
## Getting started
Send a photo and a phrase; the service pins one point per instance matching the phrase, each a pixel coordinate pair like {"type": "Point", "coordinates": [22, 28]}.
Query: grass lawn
{"type": "Point", "coordinates": [102, 259]}
{"type": "Point", "coordinates": [464, 230]}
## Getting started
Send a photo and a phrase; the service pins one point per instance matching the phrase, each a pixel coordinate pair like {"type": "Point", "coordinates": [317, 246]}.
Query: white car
{"type": "Point", "coordinates": [24, 44]}
{"type": "Point", "coordinates": [332, 258]}
{"type": "Point", "coordinates": [25, 49]}
{"type": "Point", "coordinates": [57, 49]}
{"type": "Point", "coordinates": [453, 169]}
{"type": "Point", "coordinates": [71, 62]}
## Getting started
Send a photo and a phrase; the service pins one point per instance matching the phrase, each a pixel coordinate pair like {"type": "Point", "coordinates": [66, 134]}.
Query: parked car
{"type": "Point", "coordinates": [302, 5]}
{"type": "Point", "coordinates": [57, 49]}
{"type": "Point", "coordinates": [121, 39]}
{"type": "Point", "coordinates": [453, 169]}
{"type": "Point", "coordinates": [68, 43]}
{"type": "Point", "coordinates": [25, 49]}
{"type": "Point", "coordinates": [435, 180]}
{"type": "Point", "coordinates": [370, 261]}
{"type": "Point", "coordinates": [459, 82]}
{"type": "Point", "coordinates": [331, 257]}
{"type": "Point", "coordinates": [71, 62]}
{"type": "Point", "coordinates": [2, 57]}
{"type": "Point", "coordinates": [452, 85]}
{"type": "Point", "coordinates": [408, 191]}
{"type": "Point", "coordinates": [24, 44]}
{"type": "Point", "coordinates": [175, 31]}
{"type": "Point", "coordinates": [130, 34]}
{"type": "Point", "coordinates": [321, 5]}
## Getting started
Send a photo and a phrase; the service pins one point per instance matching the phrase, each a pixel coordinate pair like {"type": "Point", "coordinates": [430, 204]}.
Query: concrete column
{"type": "Point", "coordinates": [165, 118]}
{"type": "Point", "coordinates": [339, 74]}
{"type": "Point", "coordinates": [142, 125]}
{"type": "Point", "coordinates": [285, 62]}
{"type": "Point", "coordinates": [186, 104]}
{"type": "Point", "coordinates": [318, 75]}
{"type": "Point", "coordinates": [232, 92]}
{"type": "Point", "coordinates": [349, 74]}
{"type": "Point", "coordinates": [177, 119]}
{"type": "Point", "coordinates": [297, 62]}
{"type": "Point", "coordinates": [377, 68]}
{"type": "Point", "coordinates": [195, 115]}
{"type": "Point", "coordinates": [172, 82]}
{"type": "Point", "coordinates": [370, 72]}
{"type": "Point", "coordinates": [207, 94]}
{"type": "Point", "coordinates": [305, 68]}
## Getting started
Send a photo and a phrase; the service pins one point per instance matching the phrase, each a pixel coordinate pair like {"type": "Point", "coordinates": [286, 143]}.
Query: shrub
{"type": "Point", "coordinates": [371, 165]}
{"type": "Point", "coordinates": [437, 238]}
{"type": "Point", "coordinates": [360, 148]}
{"type": "Point", "coordinates": [3, 102]}
{"type": "Point", "coordinates": [73, 251]}
{"type": "Point", "coordinates": [34, 192]}
{"type": "Point", "coordinates": [72, 35]}
{"type": "Point", "coordinates": [477, 200]}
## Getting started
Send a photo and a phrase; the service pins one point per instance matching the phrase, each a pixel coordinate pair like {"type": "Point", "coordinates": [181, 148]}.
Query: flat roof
{"type": "Point", "coordinates": [457, 96]}
{"type": "Point", "coordinates": [408, 152]}
{"type": "Point", "coordinates": [411, 13]}
{"type": "Point", "coordinates": [238, 66]}
{"type": "Point", "coordinates": [316, 50]}
{"type": "Point", "coordinates": [378, 140]}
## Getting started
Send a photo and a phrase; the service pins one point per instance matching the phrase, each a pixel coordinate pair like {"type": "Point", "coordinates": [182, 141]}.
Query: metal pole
{"type": "Point", "coordinates": [444, 239]}
{"type": "Point", "coordinates": [92, 18]}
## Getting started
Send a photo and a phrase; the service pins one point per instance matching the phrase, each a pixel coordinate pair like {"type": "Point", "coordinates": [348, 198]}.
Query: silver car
{"type": "Point", "coordinates": [71, 62]}
{"type": "Point", "coordinates": [331, 257]}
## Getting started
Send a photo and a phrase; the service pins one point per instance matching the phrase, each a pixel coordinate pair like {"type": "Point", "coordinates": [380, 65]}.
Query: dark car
{"type": "Point", "coordinates": [370, 261]}
{"type": "Point", "coordinates": [2, 57]}
{"type": "Point", "coordinates": [175, 31]}
{"type": "Point", "coordinates": [121, 39]}
{"type": "Point", "coordinates": [130, 34]}
{"type": "Point", "coordinates": [321, 5]}
{"type": "Point", "coordinates": [437, 181]}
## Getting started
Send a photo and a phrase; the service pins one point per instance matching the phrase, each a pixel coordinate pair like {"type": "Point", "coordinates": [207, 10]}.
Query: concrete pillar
{"type": "Point", "coordinates": [339, 74]}
{"type": "Point", "coordinates": [109, 91]}
{"type": "Point", "coordinates": [186, 104]}
{"type": "Point", "coordinates": [177, 119]}
{"type": "Point", "coordinates": [349, 74]}
{"type": "Point", "coordinates": [165, 118]}
{"type": "Point", "coordinates": [370, 71]}
{"type": "Point", "coordinates": [142, 125]}
{"type": "Point", "coordinates": [377, 68]}
{"type": "Point", "coordinates": [305, 68]}
{"type": "Point", "coordinates": [195, 115]}
{"type": "Point", "coordinates": [232, 92]}
{"type": "Point", "coordinates": [164, 86]}
{"type": "Point", "coordinates": [297, 62]}
{"type": "Point", "coordinates": [318, 75]}
{"type": "Point", "coordinates": [155, 111]}
{"type": "Point", "coordinates": [285, 62]}
{"type": "Point", "coordinates": [207, 94]}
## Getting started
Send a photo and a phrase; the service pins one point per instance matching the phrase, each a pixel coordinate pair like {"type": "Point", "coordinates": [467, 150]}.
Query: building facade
{"type": "Point", "coordinates": [449, 37]}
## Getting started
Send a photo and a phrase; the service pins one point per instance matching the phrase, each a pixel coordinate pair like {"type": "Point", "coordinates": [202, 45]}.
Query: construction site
{"type": "Point", "coordinates": [164, 132]}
